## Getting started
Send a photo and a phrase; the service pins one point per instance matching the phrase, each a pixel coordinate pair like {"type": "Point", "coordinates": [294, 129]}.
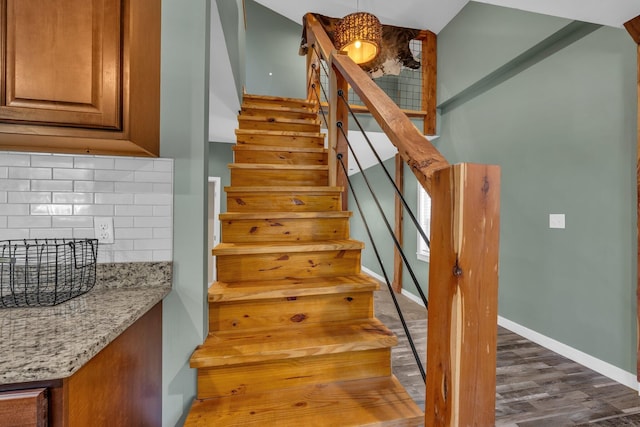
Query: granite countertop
{"type": "Point", "coordinates": [38, 344]}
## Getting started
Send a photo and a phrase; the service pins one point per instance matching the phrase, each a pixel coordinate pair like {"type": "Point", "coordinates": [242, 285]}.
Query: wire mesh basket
{"type": "Point", "coordinates": [45, 272]}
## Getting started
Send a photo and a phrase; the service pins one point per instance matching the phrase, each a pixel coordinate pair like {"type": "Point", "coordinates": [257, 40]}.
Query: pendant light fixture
{"type": "Point", "coordinates": [359, 35]}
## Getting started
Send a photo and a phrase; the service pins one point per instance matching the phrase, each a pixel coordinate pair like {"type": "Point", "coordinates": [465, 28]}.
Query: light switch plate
{"type": "Point", "coordinates": [556, 221]}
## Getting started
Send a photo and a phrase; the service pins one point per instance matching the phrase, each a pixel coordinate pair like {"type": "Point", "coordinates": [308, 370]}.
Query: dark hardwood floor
{"type": "Point", "coordinates": [535, 386]}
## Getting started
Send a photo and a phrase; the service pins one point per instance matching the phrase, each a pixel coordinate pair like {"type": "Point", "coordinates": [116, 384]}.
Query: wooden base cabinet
{"type": "Point", "coordinates": [120, 386]}
{"type": "Point", "coordinates": [80, 76]}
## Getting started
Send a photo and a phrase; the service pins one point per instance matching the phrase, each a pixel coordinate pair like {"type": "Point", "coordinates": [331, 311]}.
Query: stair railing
{"type": "Point", "coordinates": [463, 269]}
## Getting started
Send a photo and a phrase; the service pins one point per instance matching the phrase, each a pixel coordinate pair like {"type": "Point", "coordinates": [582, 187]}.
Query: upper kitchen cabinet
{"type": "Point", "coordinates": [80, 76]}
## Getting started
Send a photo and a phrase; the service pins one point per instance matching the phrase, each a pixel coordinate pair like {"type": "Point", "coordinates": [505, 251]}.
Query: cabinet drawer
{"type": "Point", "coordinates": [23, 408]}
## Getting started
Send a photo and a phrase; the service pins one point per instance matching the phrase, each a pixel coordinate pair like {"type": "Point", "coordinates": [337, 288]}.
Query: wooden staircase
{"type": "Point", "coordinates": [292, 335]}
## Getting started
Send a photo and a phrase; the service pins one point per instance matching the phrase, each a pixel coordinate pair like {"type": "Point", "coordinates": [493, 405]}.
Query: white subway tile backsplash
{"type": "Point", "coordinates": [122, 222]}
{"type": "Point", "coordinates": [75, 197]}
{"type": "Point", "coordinates": [153, 199]}
{"type": "Point", "coordinates": [90, 162]}
{"type": "Point", "coordinates": [51, 233]}
{"type": "Point", "coordinates": [29, 197]}
{"type": "Point", "coordinates": [72, 222]}
{"type": "Point", "coordinates": [93, 210]}
{"type": "Point", "coordinates": [114, 199]}
{"type": "Point", "coordinates": [29, 221]}
{"type": "Point", "coordinates": [133, 187]}
{"type": "Point", "coordinates": [145, 221]}
{"type": "Point", "coordinates": [133, 210]}
{"type": "Point", "coordinates": [153, 177]}
{"type": "Point", "coordinates": [158, 244]}
{"type": "Point", "coordinates": [50, 209]}
{"type": "Point", "coordinates": [135, 233]}
{"type": "Point", "coordinates": [15, 209]}
{"type": "Point", "coordinates": [50, 185]}
{"type": "Point", "coordinates": [93, 186]}
{"type": "Point", "coordinates": [114, 175]}
{"type": "Point", "coordinates": [29, 173]}
{"type": "Point", "coordinates": [14, 234]}
{"type": "Point", "coordinates": [53, 195]}
{"type": "Point", "coordinates": [51, 161]}
{"type": "Point", "coordinates": [131, 164]}
{"type": "Point", "coordinates": [15, 184]}
{"type": "Point", "coordinates": [73, 174]}
{"type": "Point", "coordinates": [13, 159]}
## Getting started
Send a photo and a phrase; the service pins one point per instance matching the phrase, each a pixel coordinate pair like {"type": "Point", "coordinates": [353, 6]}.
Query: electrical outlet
{"type": "Point", "coordinates": [103, 228]}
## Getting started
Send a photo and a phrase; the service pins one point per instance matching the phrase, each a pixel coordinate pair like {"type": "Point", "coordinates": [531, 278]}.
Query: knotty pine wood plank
{"type": "Point", "coordinates": [284, 229]}
{"type": "Point", "coordinates": [300, 199]}
{"type": "Point", "coordinates": [279, 247]}
{"type": "Point", "coordinates": [275, 176]}
{"type": "Point", "coordinates": [256, 123]}
{"type": "Point", "coordinates": [253, 99]}
{"type": "Point", "coordinates": [238, 347]}
{"type": "Point", "coordinates": [633, 28]}
{"type": "Point", "coordinates": [377, 401]}
{"type": "Point", "coordinates": [290, 312]}
{"type": "Point", "coordinates": [463, 296]}
{"type": "Point", "coordinates": [259, 289]}
{"type": "Point", "coordinates": [282, 374]}
{"type": "Point", "coordinates": [267, 112]}
{"type": "Point", "coordinates": [429, 81]}
{"type": "Point", "coordinates": [284, 265]}
{"type": "Point", "coordinates": [279, 156]}
{"type": "Point", "coordinates": [279, 138]}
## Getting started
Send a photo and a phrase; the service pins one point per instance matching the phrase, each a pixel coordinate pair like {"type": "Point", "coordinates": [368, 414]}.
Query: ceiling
{"type": "Point", "coordinates": [433, 15]}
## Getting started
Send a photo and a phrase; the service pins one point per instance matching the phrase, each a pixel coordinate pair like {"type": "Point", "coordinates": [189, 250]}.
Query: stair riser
{"type": "Point", "coordinates": [278, 177]}
{"type": "Point", "coordinates": [276, 114]}
{"type": "Point", "coordinates": [279, 202]}
{"type": "Point", "coordinates": [277, 374]}
{"type": "Point", "coordinates": [277, 125]}
{"type": "Point", "coordinates": [281, 140]}
{"type": "Point", "coordinates": [290, 312]}
{"type": "Point", "coordinates": [284, 230]}
{"type": "Point", "coordinates": [237, 268]}
{"type": "Point", "coordinates": [254, 102]}
{"type": "Point", "coordinates": [280, 157]}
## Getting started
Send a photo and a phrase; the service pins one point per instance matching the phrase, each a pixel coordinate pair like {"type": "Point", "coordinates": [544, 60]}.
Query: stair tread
{"type": "Point", "coordinates": [380, 401]}
{"type": "Point", "coordinates": [278, 108]}
{"type": "Point", "coordinates": [283, 215]}
{"type": "Point", "coordinates": [224, 348]}
{"type": "Point", "coordinates": [277, 166]}
{"type": "Point", "coordinates": [282, 120]}
{"type": "Point", "coordinates": [264, 289]}
{"type": "Point", "coordinates": [278, 148]}
{"type": "Point", "coordinates": [283, 189]}
{"type": "Point", "coordinates": [279, 133]}
{"type": "Point", "coordinates": [248, 96]}
{"type": "Point", "coordinates": [277, 247]}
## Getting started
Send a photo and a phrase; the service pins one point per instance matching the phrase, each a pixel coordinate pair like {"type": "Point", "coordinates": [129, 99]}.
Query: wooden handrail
{"type": "Point", "coordinates": [463, 271]}
{"type": "Point", "coordinates": [414, 148]}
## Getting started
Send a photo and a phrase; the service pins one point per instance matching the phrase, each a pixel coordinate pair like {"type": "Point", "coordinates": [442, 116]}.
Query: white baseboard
{"type": "Point", "coordinates": [604, 368]}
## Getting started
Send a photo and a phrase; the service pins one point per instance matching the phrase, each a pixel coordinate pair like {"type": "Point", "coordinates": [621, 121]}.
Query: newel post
{"type": "Point", "coordinates": [463, 296]}
{"type": "Point", "coordinates": [338, 113]}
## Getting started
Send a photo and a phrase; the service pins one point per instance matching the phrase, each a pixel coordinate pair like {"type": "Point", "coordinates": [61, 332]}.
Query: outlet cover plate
{"type": "Point", "coordinates": [556, 221]}
{"type": "Point", "coordinates": [103, 228]}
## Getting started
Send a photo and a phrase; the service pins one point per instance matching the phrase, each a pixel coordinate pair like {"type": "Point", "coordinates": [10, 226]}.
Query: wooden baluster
{"type": "Point", "coordinates": [399, 220]}
{"type": "Point", "coordinates": [463, 296]}
{"type": "Point", "coordinates": [338, 112]}
{"type": "Point", "coordinates": [429, 81]}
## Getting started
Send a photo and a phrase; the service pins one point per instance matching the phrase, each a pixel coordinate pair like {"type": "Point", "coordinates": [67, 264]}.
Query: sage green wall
{"type": "Point", "coordinates": [272, 47]}
{"type": "Point", "coordinates": [232, 21]}
{"type": "Point", "coordinates": [183, 137]}
{"type": "Point", "coordinates": [220, 155]}
{"type": "Point", "coordinates": [564, 133]}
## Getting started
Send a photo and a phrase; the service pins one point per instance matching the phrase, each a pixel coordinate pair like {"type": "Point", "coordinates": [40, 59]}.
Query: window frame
{"type": "Point", "coordinates": [424, 220]}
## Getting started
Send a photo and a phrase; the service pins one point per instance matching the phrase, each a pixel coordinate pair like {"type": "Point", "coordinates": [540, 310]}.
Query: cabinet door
{"type": "Point", "coordinates": [23, 408]}
{"type": "Point", "coordinates": [62, 62]}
